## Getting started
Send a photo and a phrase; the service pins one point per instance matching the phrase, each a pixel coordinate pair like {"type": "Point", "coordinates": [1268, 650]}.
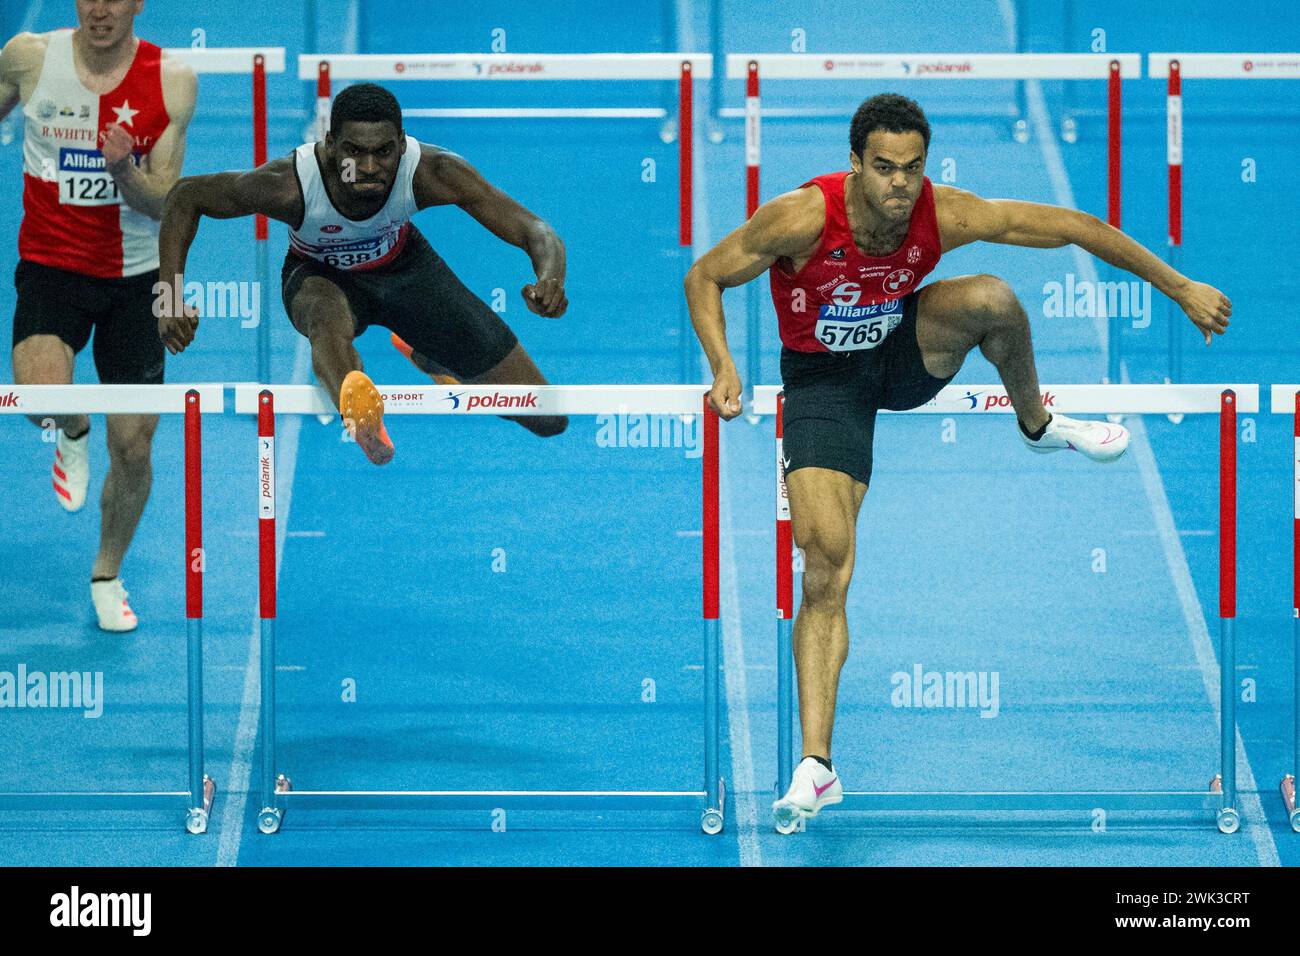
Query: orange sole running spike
{"type": "Point", "coordinates": [362, 408]}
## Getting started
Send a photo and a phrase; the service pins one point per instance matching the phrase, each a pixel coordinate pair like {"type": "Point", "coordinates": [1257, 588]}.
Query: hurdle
{"type": "Point", "coordinates": [192, 401]}
{"type": "Point", "coordinates": [1173, 67]}
{"type": "Point", "coordinates": [1112, 67]}
{"type": "Point", "coordinates": [256, 61]}
{"type": "Point", "coordinates": [1224, 400]}
{"type": "Point", "coordinates": [276, 789]}
{"type": "Point", "coordinates": [684, 68]}
{"type": "Point", "coordinates": [1286, 401]}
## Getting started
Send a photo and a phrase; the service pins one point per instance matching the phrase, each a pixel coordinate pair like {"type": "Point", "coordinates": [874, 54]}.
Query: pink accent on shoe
{"type": "Point", "coordinates": [821, 790]}
{"type": "Point", "coordinates": [61, 491]}
{"type": "Point", "coordinates": [1110, 438]}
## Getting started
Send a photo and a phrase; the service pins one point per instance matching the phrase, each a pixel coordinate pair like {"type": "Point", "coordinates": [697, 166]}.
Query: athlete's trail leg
{"type": "Point", "coordinates": [126, 488]}
{"type": "Point", "coordinates": [824, 507]}
{"type": "Point", "coordinates": [955, 315]}
{"type": "Point", "coordinates": [518, 368]}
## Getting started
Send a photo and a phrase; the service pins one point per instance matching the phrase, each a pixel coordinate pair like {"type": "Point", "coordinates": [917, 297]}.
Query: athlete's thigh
{"type": "Point", "coordinates": [42, 360]}
{"type": "Point", "coordinates": [517, 368]}
{"type": "Point", "coordinates": [317, 305]}
{"type": "Point", "coordinates": [950, 315]}
{"type": "Point", "coordinates": [430, 309]}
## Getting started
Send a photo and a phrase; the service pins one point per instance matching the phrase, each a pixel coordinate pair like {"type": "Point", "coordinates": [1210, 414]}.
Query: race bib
{"type": "Point", "coordinates": [851, 328]}
{"type": "Point", "coordinates": [350, 253]}
{"type": "Point", "coordinates": [84, 180]}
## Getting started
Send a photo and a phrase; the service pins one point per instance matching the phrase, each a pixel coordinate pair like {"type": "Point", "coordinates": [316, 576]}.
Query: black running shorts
{"type": "Point", "coordinates": [831, 398]}
{"type": "Point", "coordinates": [419, 298]}
{"type": "Point", "coordinates": [70, 305]}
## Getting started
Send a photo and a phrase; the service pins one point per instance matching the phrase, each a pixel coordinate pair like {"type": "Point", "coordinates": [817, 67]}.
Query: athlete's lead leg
{"type": "Point", "coordinates": [955, 315]}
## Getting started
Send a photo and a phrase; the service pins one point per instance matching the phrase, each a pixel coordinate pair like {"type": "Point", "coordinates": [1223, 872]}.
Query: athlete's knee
{"type": "Point", "coordinates": [132, 453]}
{"type": "Point", "coordinates": [828, 568]}
{"type": "Point", "coordinates": [130, 447]}
{"type": "Point", "coordinates": [994, 299]}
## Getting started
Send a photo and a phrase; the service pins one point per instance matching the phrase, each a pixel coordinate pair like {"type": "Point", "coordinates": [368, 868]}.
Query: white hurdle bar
{"type": "Point", "coordinates": [276, 790]}
{"type": "Point", "coordinates": [1286, 401]}
{"type": "Point", "coordinates": [192, 401]}
{"type": "Point", "coordinates": [1224, 400]}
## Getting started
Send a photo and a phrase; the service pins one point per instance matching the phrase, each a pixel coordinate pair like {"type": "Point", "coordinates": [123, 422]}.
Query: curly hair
{"type": "Point", "coordinates": [890, 112]}
{"type": "Point", "coordinates": [365, 103]}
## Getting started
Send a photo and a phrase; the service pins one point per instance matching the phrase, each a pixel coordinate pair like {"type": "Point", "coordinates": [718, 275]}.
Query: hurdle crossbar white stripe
{"type": "Point", "coordinates": [229, 59]}
{"type": "Point", "coordinates": [505, 66]}
{"type": "Point", "coordinates": [934, 66]}
{"type": "Point", "coordinates": [107, 399]}
{"type": "Point", "coordinates": [1069, 399]}
{"type": "Point", "coordinates": [1227, 66]}
{"type": "Point", "coordinates": [538, 112]}
{"type": "Point", "coordinates": [1283, 399]}
{"type": "Point", "coordinates": [490, 399]}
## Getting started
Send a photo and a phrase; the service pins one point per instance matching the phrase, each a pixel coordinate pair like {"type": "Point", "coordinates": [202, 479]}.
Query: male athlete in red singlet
{"type": "Point", "coordinates": [847, 253]}
{"type": "Point", "coordinates": [105, 115]}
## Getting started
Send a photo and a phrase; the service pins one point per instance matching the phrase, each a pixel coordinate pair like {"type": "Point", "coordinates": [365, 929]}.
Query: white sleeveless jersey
{"type": "Point", "coordinates": [328, 236]}
{"type": "Point", "coordinates": [73, 217]}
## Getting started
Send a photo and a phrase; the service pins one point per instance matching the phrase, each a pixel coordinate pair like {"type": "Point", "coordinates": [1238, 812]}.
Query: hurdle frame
{"type": "Point", "coordinates": [192, 402]}
{"type": "Point", "coordinates": [1286, 401]}
{"type": "Point", "coordinates": [1112, 67]}
{"type": "Point", "coordinates": [276, 789]}
{"type": "Point", "coordinates": [684, 68]}
{"type": "Point", "coordinates": [1221, 795]}
{"type": "Point", "coordinates": [257, 62]}
{"type": "Point", "coordinates": [1173, 67]}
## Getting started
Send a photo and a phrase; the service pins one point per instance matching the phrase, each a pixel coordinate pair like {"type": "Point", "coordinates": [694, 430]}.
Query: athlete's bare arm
{"type": "Point", "coordinates": [271, 190]}
{"type": "Point", "coordinates": [445, 179]}
{"type": "Point", "coordinates": [18, 57]}
{"type": "Point", "coordinates": [965, 217]}
{"type": "Point", "coordinates": [788, 226]}
{"type": "Point", "coordinates": [144, 188]}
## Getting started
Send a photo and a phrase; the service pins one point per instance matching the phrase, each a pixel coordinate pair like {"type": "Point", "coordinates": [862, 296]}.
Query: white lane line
{"type": "Point", "coordinates": [733, 644]}
{"type": "Point", "coordinates": [1252, 811]}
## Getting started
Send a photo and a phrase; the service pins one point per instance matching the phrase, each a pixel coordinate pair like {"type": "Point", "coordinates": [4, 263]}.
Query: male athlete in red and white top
{"type": "Point", "coordinates": [847, 253]}
{"type": "Point", "coordinates": [104, 136]}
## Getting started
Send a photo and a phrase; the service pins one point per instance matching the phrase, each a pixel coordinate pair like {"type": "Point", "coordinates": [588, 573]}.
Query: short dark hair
{"type": "Point", "coordinates": [892, 113]}
{"type": "Point", "coordinates": [365, 103]}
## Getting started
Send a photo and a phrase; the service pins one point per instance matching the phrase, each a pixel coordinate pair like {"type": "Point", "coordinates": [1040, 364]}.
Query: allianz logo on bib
{"type": "Point", "coordinates": [860, 311]}
{"type": "Point", "coordinates": [81, 159]}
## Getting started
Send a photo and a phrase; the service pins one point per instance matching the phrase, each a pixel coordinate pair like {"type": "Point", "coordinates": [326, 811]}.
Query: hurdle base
{"type": "Point", "coordinates": [79, 800]}
{"type": "Point", "coordinates": [488, 800]}
{"type": "Point", "coordinates": [1288, 799]}
{"type": "Point", "coordinates": [1033, 800]}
